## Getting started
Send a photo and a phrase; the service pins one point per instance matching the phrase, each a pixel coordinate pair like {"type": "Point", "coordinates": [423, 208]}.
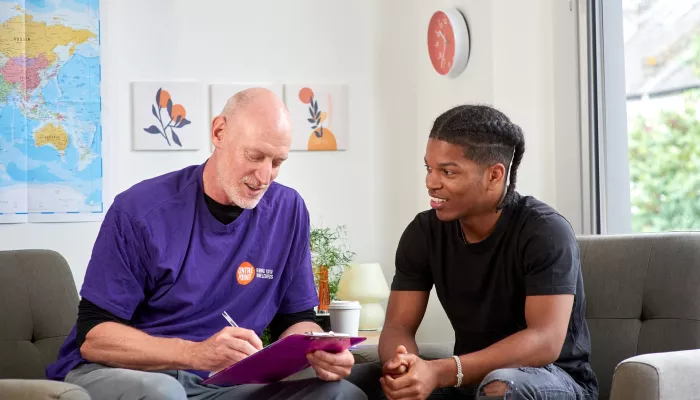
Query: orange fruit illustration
{"type": "Point", "coordinates": [178, 111]}
{"type": "Point", "coordinates": [325, 142]}
{"type": "Point", "coordinates": [305, 95]}
{"type": "Point", "coordinates": [164, 97]}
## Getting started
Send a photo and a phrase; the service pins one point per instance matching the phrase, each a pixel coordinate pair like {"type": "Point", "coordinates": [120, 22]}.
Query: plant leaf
{"type": "Point", "coordinates": [184, 122]}
{"type": "Point", "coordinates": [315, 107]}
{"type": "Point", "coordinates": [153, 110]}
{"type": "Point", "coordinates": [318, 114]}
{"type": "Point", "coordinates": [319, 133]}
{"type": "Point", "coordinates": [311, 120]}
{"type": "Point", "coordinates": [314, 127]}
{"type": "Point", "coordinates": [176, 139]}
{"type": "Point", "coordinates": [152, 129]}
{"type": "Point", "coordinates": [177, 121]}
{"type": "Point", "coordinates": [158, 97]}
{"type": "Point", "coordinates": [170, 108]}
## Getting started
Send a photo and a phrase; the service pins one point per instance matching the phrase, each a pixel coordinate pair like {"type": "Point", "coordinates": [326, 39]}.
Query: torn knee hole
{"type": "Point", "coordinates": [496, 388]}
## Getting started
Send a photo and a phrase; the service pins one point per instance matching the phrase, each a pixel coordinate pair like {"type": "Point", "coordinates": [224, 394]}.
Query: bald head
{"type": "Point", "coordinates": [257, 105]}
{"type": "Point", "coordinates": [252, 137]}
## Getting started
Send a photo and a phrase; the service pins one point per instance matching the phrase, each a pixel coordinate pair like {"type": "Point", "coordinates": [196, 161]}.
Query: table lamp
{"type": "Point", "coordinates": [365, 283]}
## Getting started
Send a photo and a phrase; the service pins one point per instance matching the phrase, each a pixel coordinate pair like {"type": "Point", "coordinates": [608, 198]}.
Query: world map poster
{"type": "Point", "coordinates": [50, 111]}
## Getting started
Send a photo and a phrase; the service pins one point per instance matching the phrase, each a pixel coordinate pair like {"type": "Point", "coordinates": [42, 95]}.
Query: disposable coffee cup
{"type": "Point", "coordinates": [345, 317]}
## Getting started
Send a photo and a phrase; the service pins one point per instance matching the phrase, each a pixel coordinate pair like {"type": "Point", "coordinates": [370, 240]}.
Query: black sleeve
{"type": "Point", "coordinates": [413, 259]}
{"type": "Point", "coordinates": [550, 256]}
{"type": "Point", "coordinates": [89, 316]}
{"type": "Point", "coordinates": [281, 322]}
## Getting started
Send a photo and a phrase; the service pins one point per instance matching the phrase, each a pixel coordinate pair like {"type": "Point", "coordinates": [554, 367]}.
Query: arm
{"type": "Point", "coordinates": [301, 327]}
{"type": "Point", "coordinates": [283, 325]}
{"type": "Point", "coordinates": [405, 312]}
{"type": "Point", "coordinates": [118, 345]}
{"type": "Point", "coordinates": [539, 344]}
{"type": "Point", "coordinates": [160, 353]}
{"type": "Point", "coordinates": [410, 290]}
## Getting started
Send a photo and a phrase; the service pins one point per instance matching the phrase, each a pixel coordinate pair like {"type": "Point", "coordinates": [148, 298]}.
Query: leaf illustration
{"type": "Point", "coordinates": [311, 120]}
{"type": "Point", "coordinates": [311, 111]}
{"type": "Point", "coordinates": [152, 129]}
{"type": "Point", "coordinates": [153, 110]}
{"type": "Point", "coordinates": [318, 134]}
{"type": "Point", "coordinates": [177, 120]}
{"type": "Point", "coordinates": [170, 108]}
{"type": "Point", "coordinates": [158, 96]}
{"type": "Point", "coordinates": [184, 122]}
{"type": "Point", "coordinates": [315, 107]}
{"type": "Point", "coordinates": [176, 139]}
{"type": "Point", "coordinates": [314, 127]}
{"type": "Point", "coordinates": [318, 114]}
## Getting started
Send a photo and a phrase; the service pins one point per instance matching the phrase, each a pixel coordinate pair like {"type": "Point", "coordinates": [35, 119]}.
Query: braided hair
{"type": "Point", "coordinates": [487, 137]}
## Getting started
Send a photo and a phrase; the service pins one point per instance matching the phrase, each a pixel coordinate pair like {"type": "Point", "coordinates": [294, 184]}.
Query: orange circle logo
{"type": "Point", "coordinates": [245, 273]}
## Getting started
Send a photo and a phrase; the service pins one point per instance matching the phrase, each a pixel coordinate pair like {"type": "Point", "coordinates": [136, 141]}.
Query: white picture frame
{"type": "Point", "coordinates": [167, 116]}
{"type": "Point", "coordinates": [320, 118]}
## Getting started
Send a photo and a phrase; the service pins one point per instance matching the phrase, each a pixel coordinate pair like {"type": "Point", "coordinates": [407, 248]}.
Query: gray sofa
{"type": "Point", "coordinates": [38, 307]}
{"type": "Point", "coordinates": [643, 294]}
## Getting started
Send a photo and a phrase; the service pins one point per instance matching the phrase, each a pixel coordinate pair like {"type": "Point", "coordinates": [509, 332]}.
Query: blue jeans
{"type": "Point", "coordinates": [524, 383]}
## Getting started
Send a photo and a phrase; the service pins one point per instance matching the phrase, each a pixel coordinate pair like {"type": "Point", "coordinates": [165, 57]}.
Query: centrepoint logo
{"type": "Point", "coordinates": [245, 273]}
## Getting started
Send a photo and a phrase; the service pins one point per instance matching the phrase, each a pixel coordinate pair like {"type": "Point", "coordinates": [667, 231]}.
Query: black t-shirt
{"type": "Point", "coordinates": [482, 286]}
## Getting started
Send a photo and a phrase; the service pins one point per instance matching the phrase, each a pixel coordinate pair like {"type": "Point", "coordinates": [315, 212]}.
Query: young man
{"type": "Point", "coordinates": [176, 251]}
{"type": "Point", "coordinates": [506, 270]}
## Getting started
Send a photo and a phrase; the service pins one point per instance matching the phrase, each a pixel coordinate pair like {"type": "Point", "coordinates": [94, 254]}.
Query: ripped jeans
{"type": "Point", "coordinates": [524, 383]}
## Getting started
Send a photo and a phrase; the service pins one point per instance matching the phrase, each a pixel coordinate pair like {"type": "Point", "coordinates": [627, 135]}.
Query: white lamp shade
{"type": "Point", "coordinates": [364, 283]}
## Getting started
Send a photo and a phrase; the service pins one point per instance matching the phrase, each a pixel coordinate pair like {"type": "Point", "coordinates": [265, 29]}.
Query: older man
{"type": "Point", "coordinates": [176, 251]}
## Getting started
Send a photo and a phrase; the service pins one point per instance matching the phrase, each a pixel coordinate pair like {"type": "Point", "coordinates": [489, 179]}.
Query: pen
{"type": "Point", "coordinates": [229, 319]}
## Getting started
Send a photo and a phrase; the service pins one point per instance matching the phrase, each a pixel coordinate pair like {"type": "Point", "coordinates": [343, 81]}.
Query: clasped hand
{"type": "Point", "coordinates": [407, 376]}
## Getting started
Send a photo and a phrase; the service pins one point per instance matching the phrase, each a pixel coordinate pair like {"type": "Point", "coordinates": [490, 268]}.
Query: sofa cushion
{"type": "Point", "coordinates": [642, 296]}
{"type": "Point", "coordinates": [40, 390]}
{"type": "Point", "coordinates": [39, 300]}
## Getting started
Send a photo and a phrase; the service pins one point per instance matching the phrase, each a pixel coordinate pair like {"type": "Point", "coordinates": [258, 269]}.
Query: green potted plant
{"type": "Point", "coordinates": [329, 258]}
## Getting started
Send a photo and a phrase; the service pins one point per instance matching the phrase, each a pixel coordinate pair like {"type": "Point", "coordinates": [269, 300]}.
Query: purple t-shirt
{"type": "Point", "coordinates": [162, 261]}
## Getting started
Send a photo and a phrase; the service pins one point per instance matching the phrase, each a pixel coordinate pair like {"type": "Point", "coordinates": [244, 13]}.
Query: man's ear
{"type": "Point", "coordinates": [218, 130]}
{"type": "Point", "coordinates": [497, 176]}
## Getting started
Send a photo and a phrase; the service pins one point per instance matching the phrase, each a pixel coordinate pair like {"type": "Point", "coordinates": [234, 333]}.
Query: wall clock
{"type": "Point", "coordinates": [448, 42]}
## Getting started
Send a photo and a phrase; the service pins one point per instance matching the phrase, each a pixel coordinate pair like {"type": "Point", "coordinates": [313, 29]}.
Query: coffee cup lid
{"type": "Point", "coordinates": [344, 305]}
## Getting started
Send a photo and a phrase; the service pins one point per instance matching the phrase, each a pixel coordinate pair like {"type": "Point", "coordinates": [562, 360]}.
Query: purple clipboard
{"type": "Point", "coordinates": [281, 359]}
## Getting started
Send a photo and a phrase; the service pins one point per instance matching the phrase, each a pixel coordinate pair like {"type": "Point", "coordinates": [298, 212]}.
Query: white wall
{"type": "Point", "coordinates": [222, 41]}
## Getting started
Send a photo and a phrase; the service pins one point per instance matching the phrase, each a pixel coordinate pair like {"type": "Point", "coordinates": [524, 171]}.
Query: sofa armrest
{"type": "Point", "coordinates": [657, 376]}
{"type": "Point", "coordinates": [40, 390]}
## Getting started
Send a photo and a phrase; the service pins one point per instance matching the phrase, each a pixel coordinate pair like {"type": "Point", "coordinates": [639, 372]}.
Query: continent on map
{"type": "Point", "coordinates": [25, 71]}
{"type": "Point", "coordinates": [26, 37]}
{"type": "Point", "coordinates": [53, 135]}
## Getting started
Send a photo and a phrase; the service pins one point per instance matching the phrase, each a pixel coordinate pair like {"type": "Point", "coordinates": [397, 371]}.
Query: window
{"type": "Point", "coordinates": [643, 96]}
